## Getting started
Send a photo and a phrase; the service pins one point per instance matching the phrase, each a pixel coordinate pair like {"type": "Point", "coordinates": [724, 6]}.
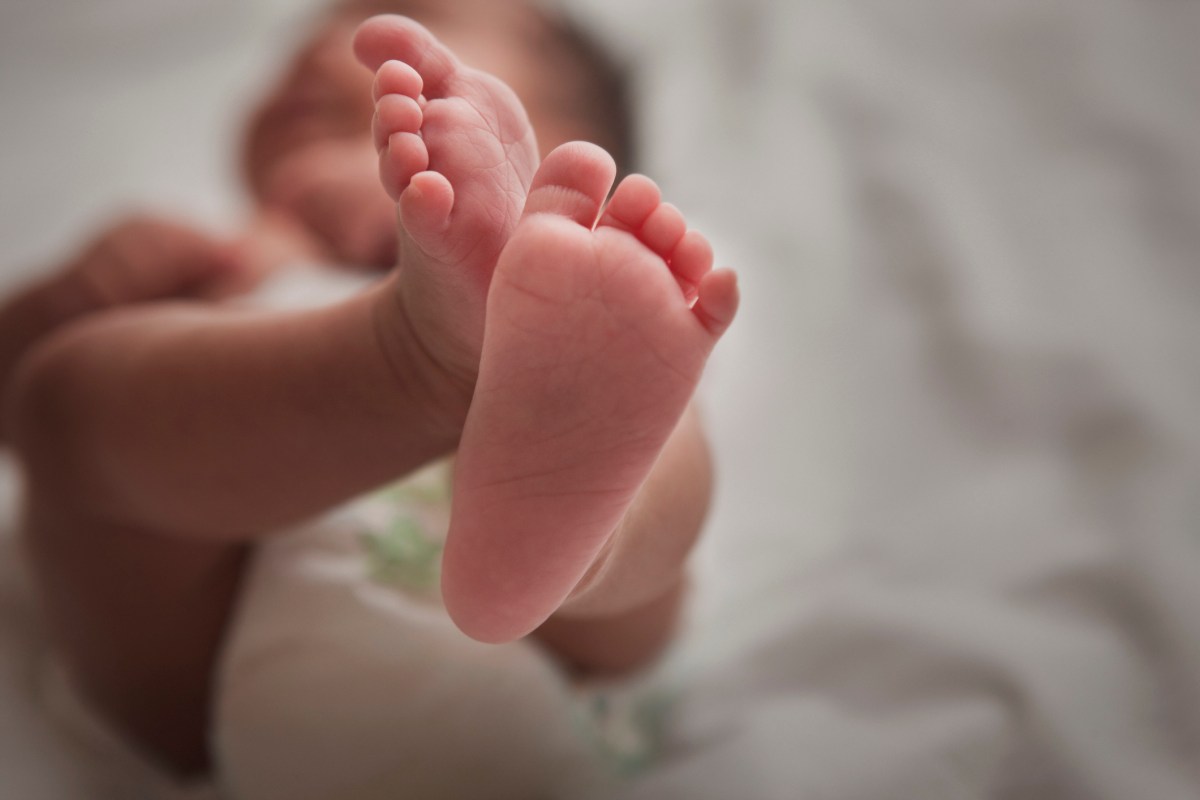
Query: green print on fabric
{"type": "Point", "coordinates": [403, 528]}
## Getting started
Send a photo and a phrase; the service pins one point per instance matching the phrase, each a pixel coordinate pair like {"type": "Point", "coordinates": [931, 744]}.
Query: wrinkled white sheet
{"type": "Point", "coordinates": [968, 237]}
{"type": "Point", "coordinates": [1016, 612]}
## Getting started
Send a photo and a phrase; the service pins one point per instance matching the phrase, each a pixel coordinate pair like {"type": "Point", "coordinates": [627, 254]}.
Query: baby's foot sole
{"type": "Point", "coordinates": [594, 344]}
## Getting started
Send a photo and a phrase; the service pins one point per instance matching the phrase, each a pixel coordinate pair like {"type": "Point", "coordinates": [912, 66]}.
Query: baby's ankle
{"type": "Point", "coordinates": [436, 383]}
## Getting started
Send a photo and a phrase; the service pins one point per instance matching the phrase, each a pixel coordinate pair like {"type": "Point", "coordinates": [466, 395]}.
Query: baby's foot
{"type": "Point", "coordinates": [456, 153]}
{"type": "Point", "coordinates": [594, 344]}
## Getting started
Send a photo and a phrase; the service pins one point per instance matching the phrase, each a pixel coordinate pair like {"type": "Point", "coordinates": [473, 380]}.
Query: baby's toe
{"type": "Point", "coordinates": [717, 301]}
{"type": "Point", "coordinates": [394, 113]}
{"type": "Point", "coordinates": [402, 157]}
{"type": "Point", "coordinates": [394, 38]}
{"type": "Point", "coordinates": [396, 77]}
{"type": "Point", "coordinates": [691, 260]}
{"type": "Point", "coordinates": [634, 200]}
{"type": "Point", "coordinates": [572, 182]}
{"type": "Point", "coordinates": [426, 204]}
{"type": "Point", "coordinates": [663, 230]}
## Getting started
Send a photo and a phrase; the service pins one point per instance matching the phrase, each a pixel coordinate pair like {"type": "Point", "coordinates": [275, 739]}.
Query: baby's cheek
{"type": "Point", "coordinates": [333, 190]}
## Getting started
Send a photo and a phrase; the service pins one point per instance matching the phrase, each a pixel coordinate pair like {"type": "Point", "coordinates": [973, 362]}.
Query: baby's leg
{"type": "Point", "coordinates": [138, 619]}
{"type": "Point", "coordinates": [209, 422]}
{"type": "Point", "coordinates": [594, 344]}
{"type": "Point", "coordinates": [159, 441]}
{"type": "Point", "coordinates": [219, 424]}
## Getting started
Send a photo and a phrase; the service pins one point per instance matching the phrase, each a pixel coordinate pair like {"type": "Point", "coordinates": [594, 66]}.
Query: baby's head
{"type": "Point", "coordinates": [309, 143]}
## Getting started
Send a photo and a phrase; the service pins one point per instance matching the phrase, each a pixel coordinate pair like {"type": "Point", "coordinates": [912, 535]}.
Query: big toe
{"type": "Point", "coordinates": [394, 38]}
{"type": "Point", "coordinates": [572, 182]}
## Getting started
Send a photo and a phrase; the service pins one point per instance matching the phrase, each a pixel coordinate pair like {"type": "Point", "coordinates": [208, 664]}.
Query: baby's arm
{"type": "Point", "coordinates": [139, 259]}
{"type": "Point", "coordinates": [143, 259]}
{"type": "Point", "coordinates": [625, 610]}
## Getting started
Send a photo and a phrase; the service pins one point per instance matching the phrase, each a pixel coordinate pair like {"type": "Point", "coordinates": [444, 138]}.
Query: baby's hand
{"type": "Point", "coordinates": [144, 258]}
{"type": "Point", "coordinates": [137, 260]}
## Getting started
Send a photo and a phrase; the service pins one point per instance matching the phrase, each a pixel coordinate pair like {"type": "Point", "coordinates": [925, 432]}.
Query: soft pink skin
{"type": "Point", "coordinates": [456, 153]}
{"type": "Point", "coordinates": [595, 341]}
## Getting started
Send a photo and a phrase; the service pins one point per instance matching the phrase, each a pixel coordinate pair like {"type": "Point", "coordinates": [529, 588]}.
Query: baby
{"type": "Point", "coordinates": [549, 335]}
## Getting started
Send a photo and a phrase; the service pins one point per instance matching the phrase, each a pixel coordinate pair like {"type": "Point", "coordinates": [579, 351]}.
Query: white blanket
{"type": "Point", "coordinates": [1016, 612]}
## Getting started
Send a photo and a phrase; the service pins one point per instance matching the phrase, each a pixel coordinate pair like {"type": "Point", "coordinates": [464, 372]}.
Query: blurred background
{"type": "Point", "coordinates": [954, 548]}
